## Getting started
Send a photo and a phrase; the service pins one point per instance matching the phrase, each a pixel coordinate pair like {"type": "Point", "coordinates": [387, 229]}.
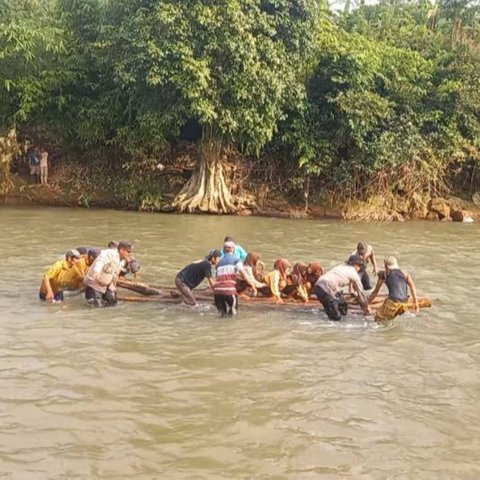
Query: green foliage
{"type": "Point", "coordinates": [230, 65]}
{"type": "Point", "coordinates": [346, 99]}
{"type": "Point", "coordinates": [30, 41]}
{"type": "Point", "coordinates": [388, 87]}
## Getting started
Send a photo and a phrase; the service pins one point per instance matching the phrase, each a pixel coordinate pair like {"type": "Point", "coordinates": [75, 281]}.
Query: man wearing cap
{"type": "Point", "coordinates": [62, 275]}
{"type": "Point", "coordinates": [132, 266]}
{"type": "Point", "coordinates": [88, 255]}
{"type": "Point", "coordinates": [193, 275]}
{"type": "Point", "coordinates": [398, 283]}
{"type": "Point", "coordinates": [328, 288]}
{"type": "Point", "coordinates": [101, 277]}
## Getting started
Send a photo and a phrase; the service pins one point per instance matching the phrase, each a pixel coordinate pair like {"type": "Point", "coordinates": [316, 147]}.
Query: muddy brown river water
{"type": "Point", "coordinates": [146, 391]}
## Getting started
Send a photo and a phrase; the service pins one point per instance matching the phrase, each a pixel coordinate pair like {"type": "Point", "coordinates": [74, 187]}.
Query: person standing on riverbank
{"type": "Point", "coordinates": [328, 288]}
{"type": "Point", "coordinates": [398, 283]}
{"type": "Point", "coordinates": [193, 275]}
{"type": "Point", "coordinates": [101, 277]}
{"type": "Point", "coordinates": [62, 275]}
{"type": "Point", "coordinates": [43, 166]}
{"type": "Point", "coordinates": [34, 164]}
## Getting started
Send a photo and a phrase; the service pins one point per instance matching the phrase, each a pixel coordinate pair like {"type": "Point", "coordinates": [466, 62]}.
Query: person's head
{"type": "Point", "coordinates": [82, 251]}
{"type": "Point", "coordinates": [228, 238]}
{"type": "Point", "coordinates": [214, 256]}
{"type": "Point", "coordinates": [391, 263]}
{"type": "Point", "coordinates": [72, 257]}
{"type": "Point", "coordinates": [125, 249]}
{"type": "Point", "coordinates": [315, 269]}
{"type": "Point", "coordinates": [134, 266]}
{"type": "Point", "coordinates": [299, 273]}
{"type": "Point", "coordinates": [362, 248]}
{"type": "Point", "coordinates": [252, 259]}
{"type": "Point", "coordinates": [283, 266]}
{"type": "Point", "coordinates": [355, 261]}
{"type": "Point", "coordinates": [113, 244]}
{"type": "Point", "coordinates": [92, 254]}
{"type": "Point", "coordinates": [229, 247]}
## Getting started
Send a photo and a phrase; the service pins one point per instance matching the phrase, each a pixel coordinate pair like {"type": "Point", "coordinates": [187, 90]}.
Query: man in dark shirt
{"type": "Point", "coordinates": [34, 164]}
{"type": "Point", "coordinates": [193, 275]}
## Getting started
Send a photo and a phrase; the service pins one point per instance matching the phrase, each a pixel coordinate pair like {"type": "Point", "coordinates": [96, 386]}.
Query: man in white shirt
{"type": "Point", "coordinates": [328, 288]}
{"type": "Point", "coordinates": [101, 277]}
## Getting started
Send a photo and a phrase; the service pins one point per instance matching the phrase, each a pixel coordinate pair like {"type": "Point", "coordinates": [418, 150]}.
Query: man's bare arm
{"type": "Point", "coordinates": [413, 291]}
{"type": "Point", "coordinates": [374, 262]}
{"type": "Point", "coordinates": [373, 295]}
{"type": "Point", "coordinates": [49, 292]}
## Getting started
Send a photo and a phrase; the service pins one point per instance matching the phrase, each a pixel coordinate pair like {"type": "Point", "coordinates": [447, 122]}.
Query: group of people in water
{"type": "Point", "coordinates": [232, 272]}
{"type": "Point", "coordinates": [242, 274]}
{"type": "Point", "coordinates": [94, 270]}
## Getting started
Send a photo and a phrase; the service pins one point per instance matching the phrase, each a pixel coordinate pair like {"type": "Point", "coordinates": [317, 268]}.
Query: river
{"type": "Point", "coordinates": [147, 391]}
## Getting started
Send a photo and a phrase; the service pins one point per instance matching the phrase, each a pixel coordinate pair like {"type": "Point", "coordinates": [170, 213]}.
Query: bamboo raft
{"type": "Point", "coordinates": [170, 296]}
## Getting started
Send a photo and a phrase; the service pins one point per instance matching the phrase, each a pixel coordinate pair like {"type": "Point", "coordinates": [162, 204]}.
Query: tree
{"type": "Point", "coordinates": [29, 40]}
{"type": "Point", "coordinates": [231, 66]}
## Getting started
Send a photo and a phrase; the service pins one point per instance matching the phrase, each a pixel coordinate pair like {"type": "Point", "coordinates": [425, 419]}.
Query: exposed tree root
{"type": "Point", "coordinates": [207, 190]}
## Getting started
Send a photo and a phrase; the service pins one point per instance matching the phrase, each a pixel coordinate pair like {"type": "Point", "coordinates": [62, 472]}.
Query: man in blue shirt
{"type": "Point", "coordinates": [240, 253]}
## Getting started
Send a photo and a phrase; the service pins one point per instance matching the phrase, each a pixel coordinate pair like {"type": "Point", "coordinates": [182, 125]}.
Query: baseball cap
{"type": "Point", "coordinates": [214, 253]}
{"type": "Point", "coordinates": [74, 253]}
{"type": "Point", "coordinates": [93, 252]}
{"type": "Point", "coordinates": [126, 245]}
{"type": "Point", "coordinates": [355, 260]}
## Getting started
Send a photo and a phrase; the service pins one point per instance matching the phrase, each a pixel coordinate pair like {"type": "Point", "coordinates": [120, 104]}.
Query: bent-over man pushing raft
{"type": "Point", "coordinates": [101, 278]}
{"type": "Point", "coordinates": [62, 275]}
{"type": "Point", "coordinates": [328, 288]}
{"type": "Point", "coordinates": [398, 283]}
{"type": "Point", "coordinates": [193, 275]}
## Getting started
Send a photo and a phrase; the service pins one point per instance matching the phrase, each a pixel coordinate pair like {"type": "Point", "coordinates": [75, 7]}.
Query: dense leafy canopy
{"type": "Point", "coordinates": [351, 98]}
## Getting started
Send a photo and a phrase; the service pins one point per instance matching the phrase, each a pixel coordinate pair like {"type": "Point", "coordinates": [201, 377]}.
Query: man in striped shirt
{"type": "Point", "coordinates": [224, 290]}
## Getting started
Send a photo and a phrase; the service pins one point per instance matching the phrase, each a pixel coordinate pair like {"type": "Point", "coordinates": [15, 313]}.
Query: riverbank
{"type": "Point", "coordinates": [63, 191]}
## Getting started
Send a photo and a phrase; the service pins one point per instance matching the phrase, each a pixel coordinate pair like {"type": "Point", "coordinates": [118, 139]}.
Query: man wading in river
{"type": "Point", "coordinates": [398, 282]}
{"type": "Point", "coordinates": [194, 274]}
{"type": "Point", "coordinates": [225, 290]}
{"type": "Point", "coordinates": [329, 287]}
{"type": "Point", "coordinates": [102, 276]}
{"type": "Point", "coordinates": [365, 251]}
{"type": "Point", "coordinates": [62, 275]}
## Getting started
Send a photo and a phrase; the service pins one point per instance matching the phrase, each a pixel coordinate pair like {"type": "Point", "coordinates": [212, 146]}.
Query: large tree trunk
{"type": "Point", "coordinates": [207, 190]}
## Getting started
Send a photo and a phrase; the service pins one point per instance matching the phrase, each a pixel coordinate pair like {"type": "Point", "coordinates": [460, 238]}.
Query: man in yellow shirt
{"type": "Point", "coordinates": [62, 275]}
